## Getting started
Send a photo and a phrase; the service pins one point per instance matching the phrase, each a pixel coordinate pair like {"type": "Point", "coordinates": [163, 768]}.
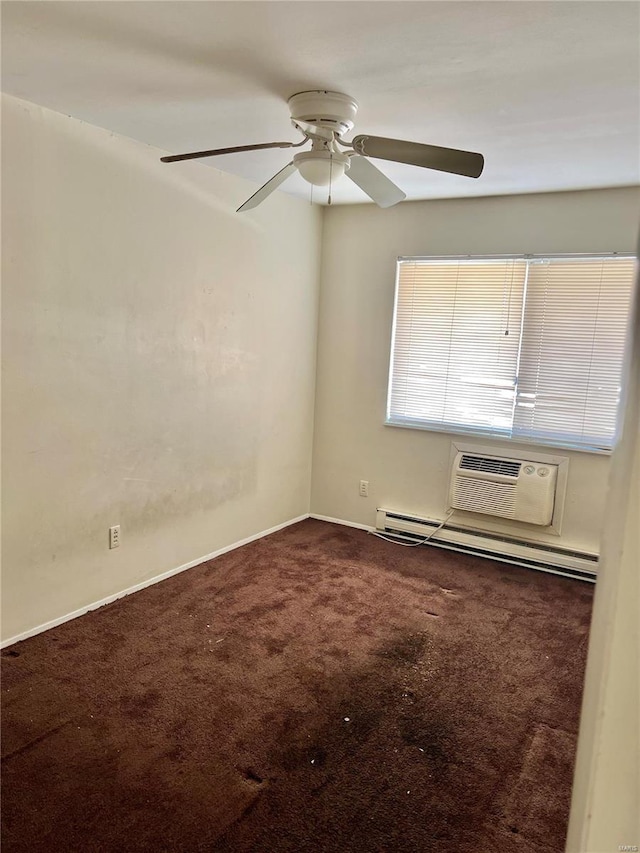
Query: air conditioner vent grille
{"type": "Point", "coordinates": [481, 496]}
{"type": "Point", "coordinates": [490, 465]}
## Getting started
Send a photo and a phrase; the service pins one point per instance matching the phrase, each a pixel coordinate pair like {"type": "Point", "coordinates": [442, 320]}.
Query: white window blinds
{"type": "Point", "coordinates": [528, 348]}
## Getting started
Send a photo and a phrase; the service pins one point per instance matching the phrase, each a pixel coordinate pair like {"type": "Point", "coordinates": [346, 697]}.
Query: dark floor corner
{"type": "Point", "coordinates": [317, 690]}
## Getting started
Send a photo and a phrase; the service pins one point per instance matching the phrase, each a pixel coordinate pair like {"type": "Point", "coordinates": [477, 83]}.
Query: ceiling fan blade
{"type": "Point", "coordinates": [268, 188]}
{"type": "Point", "coordinates": [374, 183]}
{"type": "Point", "coordinates": [196, 154]}
{"type": "Point", "coordinates": [416, 154]}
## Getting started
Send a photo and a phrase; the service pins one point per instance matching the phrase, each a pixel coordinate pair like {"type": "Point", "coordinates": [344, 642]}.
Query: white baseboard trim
{"type": "Point", "coordinates": [519, 552]}
{"type": "Point", "coordinates": [367, 527]}
{"type": "Point", "coordinates": [53, 623]}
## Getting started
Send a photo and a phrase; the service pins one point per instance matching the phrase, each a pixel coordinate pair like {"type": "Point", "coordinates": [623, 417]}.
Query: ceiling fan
{"type": "Point", "coordinates": [323, 118]}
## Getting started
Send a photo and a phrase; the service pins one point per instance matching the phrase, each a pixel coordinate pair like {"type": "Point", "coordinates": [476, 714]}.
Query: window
{"type": "Point", "coordinates": [516, 347]}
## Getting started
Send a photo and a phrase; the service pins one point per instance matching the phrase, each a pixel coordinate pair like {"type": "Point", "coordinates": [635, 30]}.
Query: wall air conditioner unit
{"type": "Point", "coordinates": [507, 488]}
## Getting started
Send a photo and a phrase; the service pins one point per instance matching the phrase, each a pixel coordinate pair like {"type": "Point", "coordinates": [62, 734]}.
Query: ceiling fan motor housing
{"type": "Point", "coordinates": [320, 108]}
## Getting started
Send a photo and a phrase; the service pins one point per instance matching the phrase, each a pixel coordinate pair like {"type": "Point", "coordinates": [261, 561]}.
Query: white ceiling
{"type": "Point", "coordinates": [549, 92]}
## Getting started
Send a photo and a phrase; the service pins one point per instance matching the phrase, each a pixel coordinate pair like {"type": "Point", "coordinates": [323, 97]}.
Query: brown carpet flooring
{"type": "Point", "coordinates": [317, 690]}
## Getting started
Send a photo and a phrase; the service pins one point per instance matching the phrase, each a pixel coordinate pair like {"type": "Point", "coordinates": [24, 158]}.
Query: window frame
{"type": "Point", "coordinates": [494, 433]}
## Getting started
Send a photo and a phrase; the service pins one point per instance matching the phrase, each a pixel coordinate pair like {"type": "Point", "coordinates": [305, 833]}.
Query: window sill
{"type": "Point", "coordinates": [503, 437]}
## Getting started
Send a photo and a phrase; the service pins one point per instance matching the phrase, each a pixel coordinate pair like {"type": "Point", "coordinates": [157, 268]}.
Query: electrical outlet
{"type": "Point", "coordinates": [114, 536]}
{"type": "Point", "coordinates": [364, 488]}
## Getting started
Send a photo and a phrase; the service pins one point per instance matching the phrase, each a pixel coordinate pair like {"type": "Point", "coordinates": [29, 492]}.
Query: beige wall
{"type": "Point", "coordinates": [159, 362]}
{"type": "Point", "coordinates": [408, 469]}
{"type": "Point", "coordinates": [605, 810]}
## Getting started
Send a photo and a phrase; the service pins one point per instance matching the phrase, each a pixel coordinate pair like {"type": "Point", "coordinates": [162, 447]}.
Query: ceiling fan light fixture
{"type": "Point", "coordinates": [321, 168]}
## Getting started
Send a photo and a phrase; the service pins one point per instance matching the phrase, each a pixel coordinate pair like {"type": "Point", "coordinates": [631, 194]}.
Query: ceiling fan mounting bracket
{"type": "Point", "coordinates": [358, 144]}
{"type": "Point", "coordinates": [314, 133]}
{"type": "Point", "coordinates": [320, 108]}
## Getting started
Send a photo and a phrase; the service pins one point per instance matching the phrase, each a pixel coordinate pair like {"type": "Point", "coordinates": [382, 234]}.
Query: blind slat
{"type": "Point", "coordinates": [534, 347]}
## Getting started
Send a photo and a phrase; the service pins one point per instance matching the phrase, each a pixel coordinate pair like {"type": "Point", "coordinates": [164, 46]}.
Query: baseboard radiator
{"type": "Point", "coordinates": [505, 549]}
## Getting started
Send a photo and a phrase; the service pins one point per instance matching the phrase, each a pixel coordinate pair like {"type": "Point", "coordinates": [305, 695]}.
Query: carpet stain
{"type": "Point", "coordinates": [138, 706]}
{"type": "Point", "coordinates": [250, 775]}
{"type": "Point", "coordinates": [405, 650]}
